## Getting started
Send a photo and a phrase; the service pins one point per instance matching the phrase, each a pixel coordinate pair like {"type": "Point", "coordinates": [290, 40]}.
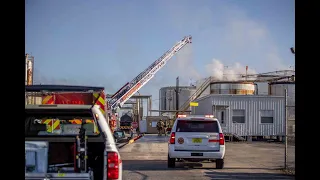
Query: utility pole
{"type": "Point", "coordinates": [285, 128]}
{"type": "Point", "coordinates": [177, 93]}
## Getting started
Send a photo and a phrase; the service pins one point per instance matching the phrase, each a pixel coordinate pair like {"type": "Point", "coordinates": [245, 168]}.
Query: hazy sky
{"type": "Point", "coordinates": [107, 43]}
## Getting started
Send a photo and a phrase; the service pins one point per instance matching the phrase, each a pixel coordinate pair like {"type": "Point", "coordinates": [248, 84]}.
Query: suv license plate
{"type": "Point", "coordinates": [196, 140]}
{"type": "Point", "coordinates": [196, 154]}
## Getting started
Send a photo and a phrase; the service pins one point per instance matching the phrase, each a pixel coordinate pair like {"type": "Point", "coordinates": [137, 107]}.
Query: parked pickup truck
{"type": "Point", "coordinates": [71, 142]}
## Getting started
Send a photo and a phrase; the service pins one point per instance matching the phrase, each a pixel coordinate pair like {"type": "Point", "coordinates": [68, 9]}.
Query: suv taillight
{"type": "Point", "coordinates": [221, 139]}
{"type": "Point", "coordinates": [113, 165]}
{"type": "Point", "coordinates": [172, 138]}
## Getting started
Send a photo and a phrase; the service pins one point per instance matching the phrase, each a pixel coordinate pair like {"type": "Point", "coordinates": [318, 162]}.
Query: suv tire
{"type": "Point", "coordinates": [171, 162]}
{"type": "Point", "coordinates": [219, 163]}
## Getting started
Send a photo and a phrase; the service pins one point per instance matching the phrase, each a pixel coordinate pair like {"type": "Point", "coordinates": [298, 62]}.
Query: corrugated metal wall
{"type": "Point", "coordinates": [252, 105]}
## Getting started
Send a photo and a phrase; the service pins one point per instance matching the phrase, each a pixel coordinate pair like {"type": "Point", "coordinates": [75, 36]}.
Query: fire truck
{"type": "Point", "coordinates": [65, 94]}
{"type": "Point", "coordinates": [59, 94]}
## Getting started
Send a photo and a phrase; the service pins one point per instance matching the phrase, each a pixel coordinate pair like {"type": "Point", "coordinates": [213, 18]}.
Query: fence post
{"type": "Point", "coordinates": [286, 128]}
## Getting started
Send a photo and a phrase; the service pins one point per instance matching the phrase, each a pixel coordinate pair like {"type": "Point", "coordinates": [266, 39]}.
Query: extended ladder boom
{"type": "Point", "coordinates": [138, 82]}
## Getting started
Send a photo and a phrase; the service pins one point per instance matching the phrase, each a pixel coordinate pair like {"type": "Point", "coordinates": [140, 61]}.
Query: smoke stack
{"type": "Point", "coordinates": [26, 70]}
{"type": "Point", "coordinates": [29, 69]}
{"type": "Point", "coordinates": [246, 73]}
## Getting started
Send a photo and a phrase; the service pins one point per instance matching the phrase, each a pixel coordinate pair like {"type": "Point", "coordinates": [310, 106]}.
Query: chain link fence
{"type": "Point", "coordinates": [290, 108]}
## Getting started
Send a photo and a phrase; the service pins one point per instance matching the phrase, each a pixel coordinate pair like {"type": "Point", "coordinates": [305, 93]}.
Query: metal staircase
{"type": "Point", "coordinates": [195, 95]}
{"type": "Point", "coordinates": [240, 138]}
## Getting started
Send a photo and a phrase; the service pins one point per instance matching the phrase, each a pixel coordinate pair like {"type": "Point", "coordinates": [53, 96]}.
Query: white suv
{"type": "Point", "coordinates": [196, 139]}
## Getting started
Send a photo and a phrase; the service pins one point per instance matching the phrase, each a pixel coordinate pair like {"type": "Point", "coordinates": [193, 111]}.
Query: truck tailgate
{"type": "Point", "coordinates": [54, 176]}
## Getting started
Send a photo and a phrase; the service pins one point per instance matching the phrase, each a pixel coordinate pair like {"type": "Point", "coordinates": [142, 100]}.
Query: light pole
{"type": "Point", "coordinates": [293, 51]}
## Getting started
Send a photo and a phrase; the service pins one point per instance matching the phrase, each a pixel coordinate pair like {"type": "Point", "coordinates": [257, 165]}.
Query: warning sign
{"type": "Point", "coordinates": [134, 125]}
{"type": "Point", "coordinates": [194, 104]}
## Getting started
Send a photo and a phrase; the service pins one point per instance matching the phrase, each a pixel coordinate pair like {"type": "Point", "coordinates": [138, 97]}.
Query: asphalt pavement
{"type": "Point", "coordinates": [146, 159]}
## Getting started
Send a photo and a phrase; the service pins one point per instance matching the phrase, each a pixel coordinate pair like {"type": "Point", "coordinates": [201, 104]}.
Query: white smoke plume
{"type": "Point", "coordinates": [218, 71]}
{"type": "Point", "coordinates": [183, 65]}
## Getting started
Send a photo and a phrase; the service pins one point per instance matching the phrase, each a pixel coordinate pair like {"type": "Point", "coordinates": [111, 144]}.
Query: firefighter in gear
{"type": "Point", "coordinates": [160, 127]}
{"type": "Point", "coordinates": [165, 126]}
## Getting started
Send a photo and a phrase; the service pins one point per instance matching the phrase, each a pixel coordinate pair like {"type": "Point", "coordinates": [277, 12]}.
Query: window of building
{"type": "Point", "coordinates": [238, 116]}
{"type": "Point", "coordinates": [266, 116]}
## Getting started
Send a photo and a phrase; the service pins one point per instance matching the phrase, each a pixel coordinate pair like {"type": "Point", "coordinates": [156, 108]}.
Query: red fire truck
{"type": "Point", "coordinates": [63, 94]}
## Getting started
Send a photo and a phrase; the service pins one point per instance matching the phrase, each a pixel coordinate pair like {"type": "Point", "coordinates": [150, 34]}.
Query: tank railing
{"type": "Point", "coordinates": [196, 94]}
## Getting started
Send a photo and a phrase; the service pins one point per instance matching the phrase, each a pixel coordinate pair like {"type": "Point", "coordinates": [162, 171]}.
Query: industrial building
{"type": "Point", "coordinates": [245, 115]}
{"type": "Point", "coordinates": [238, 105]}
{"type": "Point", "coordinates": [242, 112]}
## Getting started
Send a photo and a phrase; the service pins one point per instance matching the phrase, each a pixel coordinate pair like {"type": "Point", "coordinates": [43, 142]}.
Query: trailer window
{"type": "Point", "coordinates": [197, 126]}
{"type": "Point", "coordinates": [42, 125]}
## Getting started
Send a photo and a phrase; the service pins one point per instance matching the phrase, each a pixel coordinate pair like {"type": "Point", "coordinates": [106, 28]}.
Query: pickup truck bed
{"type": "Point", "coordinates": [59, 176]}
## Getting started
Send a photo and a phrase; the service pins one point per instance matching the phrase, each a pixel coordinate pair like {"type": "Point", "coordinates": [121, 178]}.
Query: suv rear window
{"type": "Point", "coordinates": [197, 126]}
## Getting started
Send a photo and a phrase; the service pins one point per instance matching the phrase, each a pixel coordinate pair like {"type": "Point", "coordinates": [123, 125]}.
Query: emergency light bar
{"type": "Point", "coordinates": [184, 115]}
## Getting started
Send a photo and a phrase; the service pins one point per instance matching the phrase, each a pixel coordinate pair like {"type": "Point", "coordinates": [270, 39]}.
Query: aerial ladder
{"type": "Point", "coordinates": [130, 88]}
{"type": "Point", "coordinates": [195, 95]}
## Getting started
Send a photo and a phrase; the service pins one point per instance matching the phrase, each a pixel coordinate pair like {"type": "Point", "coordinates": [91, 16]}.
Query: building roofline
{"type": "Point", "coordinates": [237, 96]}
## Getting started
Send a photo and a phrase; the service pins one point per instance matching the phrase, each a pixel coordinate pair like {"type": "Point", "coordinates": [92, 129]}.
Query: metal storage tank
{"type": "Point", "coordinates": [233, 87]}
{"type": "Point", "coordinates": [126, 118]}
{"type": "Point", "coordinates": [29, 69]}
{"type": "Point", "coordinates": [167, 96]}
{"type": "Point", "coordinates": [277, 89]}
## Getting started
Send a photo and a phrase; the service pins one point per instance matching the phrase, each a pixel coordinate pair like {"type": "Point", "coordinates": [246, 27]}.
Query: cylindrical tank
{"type": "Point", "coordinates": [126, 117]}
{"type": "Point", "coordinates": [126, 120]}
{"type": "Point", "coordinates": [233, 87]}
{"type": "Point", "coordinates": [277, 89]}
{"type": "Point", "coordinates": [167, 96]}
{"type": "Point", "coordinates": [26, 69]}
{"type": "Point", "coordinates": [29, 69]}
